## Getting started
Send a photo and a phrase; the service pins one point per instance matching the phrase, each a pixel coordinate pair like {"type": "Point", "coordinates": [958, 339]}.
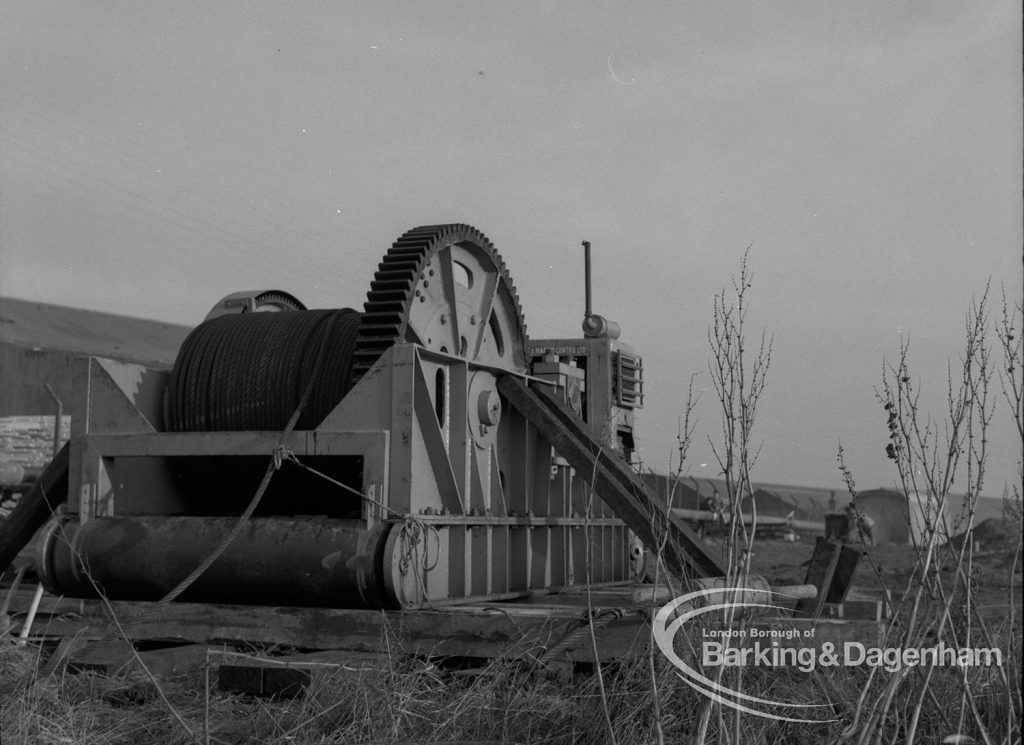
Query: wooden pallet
{"type": "Point", "coordinates": [547, 631]}
{"type": "Point", "coordinates": [485, 631]}
{"type": "Point", "coordinates": [530, 628]}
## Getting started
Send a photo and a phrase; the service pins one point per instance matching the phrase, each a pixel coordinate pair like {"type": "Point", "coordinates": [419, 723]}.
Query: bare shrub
{"type": "Point", "coordinates": [939, 605]}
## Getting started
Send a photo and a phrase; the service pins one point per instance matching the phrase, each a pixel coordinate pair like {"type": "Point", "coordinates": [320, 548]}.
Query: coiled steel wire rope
{"type": "Point", "coordinates": [248, 371]}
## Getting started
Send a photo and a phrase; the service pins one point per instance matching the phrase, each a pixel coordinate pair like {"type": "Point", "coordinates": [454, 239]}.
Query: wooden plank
{"type": "Point", "coordinates": [597, 599]}
{"type": "Point", "coordinates": [329, 658]}
{"type": "Point", "coordinates": [842, 577]}
{"type": "Point", "coordinates": [289, 676]}
{"type": "Point", "coordinates": [111, 656]}
{"type": "Point", "coordinates": [34, 508]}
{"type": "Point", "coordinates": [483, 631]}
{"type": "Point", "coordinates": [363, 641]}
{"type": "Point", "coordinates": [49, 628]}
{"type": "Point", "coordinates": [102, 656]}
{"type": "Point", "coordinates": [49, 605]}
{"type": "Point", "coordinates": [59, 658]}
{"type": "Point", "coordinates": [559, 604]}
{"type": "Point", "coordinates": [819, 573]}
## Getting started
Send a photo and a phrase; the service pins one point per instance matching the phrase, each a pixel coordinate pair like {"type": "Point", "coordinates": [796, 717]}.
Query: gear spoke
{"type": "Point", "coordinates": [446, 288]}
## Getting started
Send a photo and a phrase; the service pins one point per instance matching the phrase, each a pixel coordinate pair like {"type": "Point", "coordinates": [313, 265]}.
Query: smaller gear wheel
{"type": "Point", "coordinates": [251, 301]}
{"type": "Point", "coordinates": [276, 300]}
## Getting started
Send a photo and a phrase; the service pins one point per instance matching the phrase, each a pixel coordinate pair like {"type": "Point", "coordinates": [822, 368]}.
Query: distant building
{"type": "Point", "coordinates": [38, 341]}
{"type": "Point", "coordinates": [896, 519]}
{"type": "Point", "coordinates": [770, 504]}
{"type": "Point", "coordinates": [682, 493]}
{"type": "Point", "coordinates": [889, 511]}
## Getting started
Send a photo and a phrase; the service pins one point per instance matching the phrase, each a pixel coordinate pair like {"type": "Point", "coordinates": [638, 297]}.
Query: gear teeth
{"type": "Point", "coordinates": [281, 299]}
{"type": "Point", "coordinates": [386, 311]}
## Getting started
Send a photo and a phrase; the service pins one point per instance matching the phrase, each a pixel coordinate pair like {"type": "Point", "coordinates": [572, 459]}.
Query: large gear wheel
{"type": "Point", "coordinates": [445, 288]}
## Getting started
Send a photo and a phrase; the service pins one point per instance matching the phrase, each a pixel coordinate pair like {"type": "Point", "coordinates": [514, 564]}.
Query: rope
{"type": "Point", "coordinates": [248, 371]}
{"type": "Point", "coordinates": [597, 618]}
{"type": "Point", "coordinates": [288, 455]}
{"type": "Point", "coordinates": [412, 531]}
{"type": "Point", "coordinates": [276, 459]}
{"type": "Point", "coordinates": [217, 552]}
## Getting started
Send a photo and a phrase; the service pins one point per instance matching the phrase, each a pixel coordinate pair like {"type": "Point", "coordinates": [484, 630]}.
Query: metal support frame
{"type": "Point", "coordinates": [470, 501]}
{"type": "Point", "coordinates": [614, 481]}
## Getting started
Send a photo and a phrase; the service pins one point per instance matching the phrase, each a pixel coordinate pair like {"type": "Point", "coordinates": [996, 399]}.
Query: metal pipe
{"type": "Point", "coordinates": [58, 422]}
{"type": "Point", "coordinates": [594, 326]}
{"type": "Point", "coordinates": [588, 312]}
{"type": "Point", "coordinates": [274, 560]}
{"type": "Point", "coordinates": [31, 618]}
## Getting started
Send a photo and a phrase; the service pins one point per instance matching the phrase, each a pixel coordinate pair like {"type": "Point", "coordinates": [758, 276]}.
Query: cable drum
{"type": "Point", "coordinates": [248, 371]}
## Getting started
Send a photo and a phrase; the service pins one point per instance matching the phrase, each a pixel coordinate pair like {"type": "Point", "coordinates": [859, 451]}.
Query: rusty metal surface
{"type": "Point", "coordinates": [614, 481]}
{"type": "Point", "coordinates": [273, 561]}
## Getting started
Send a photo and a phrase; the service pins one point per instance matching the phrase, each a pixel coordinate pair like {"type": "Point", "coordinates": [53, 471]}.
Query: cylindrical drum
{"type": "Point", "coordinates": [272, 561]}
{"type": "Point", "coordinates": [249, 371]}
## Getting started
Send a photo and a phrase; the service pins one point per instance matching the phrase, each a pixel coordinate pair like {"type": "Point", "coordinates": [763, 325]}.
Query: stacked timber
{"type": "Point", "coordinates": [28, 440]}
{"type": "Point", "coordinates": [26, 445]}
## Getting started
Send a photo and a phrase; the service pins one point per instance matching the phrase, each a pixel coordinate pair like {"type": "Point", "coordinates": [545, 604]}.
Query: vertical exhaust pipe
{"type": "Point", "coordinates": [594, 326]}
{"type": "Point", "coordinates": [588, 311]}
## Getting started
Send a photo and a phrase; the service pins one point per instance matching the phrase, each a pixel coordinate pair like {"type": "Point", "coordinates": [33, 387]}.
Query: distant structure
{"type": "Point", "coordinates": [897, 519]}
{"type": "Point", "coordinates": [890, 512]}
{"type": "Point", "coordinates": [38, 341]}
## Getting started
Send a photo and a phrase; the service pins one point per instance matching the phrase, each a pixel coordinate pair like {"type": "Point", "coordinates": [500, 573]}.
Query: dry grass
{"type": "Point", "coordinates": [408, 702]}
{"type": "Point", "coordinates": [411, 700]}
{"type": "Point", "coordinates": [644, 700]}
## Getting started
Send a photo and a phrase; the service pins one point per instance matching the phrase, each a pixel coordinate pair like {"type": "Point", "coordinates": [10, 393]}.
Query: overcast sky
{"type": "Point", "coordinates": [157, 156]}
